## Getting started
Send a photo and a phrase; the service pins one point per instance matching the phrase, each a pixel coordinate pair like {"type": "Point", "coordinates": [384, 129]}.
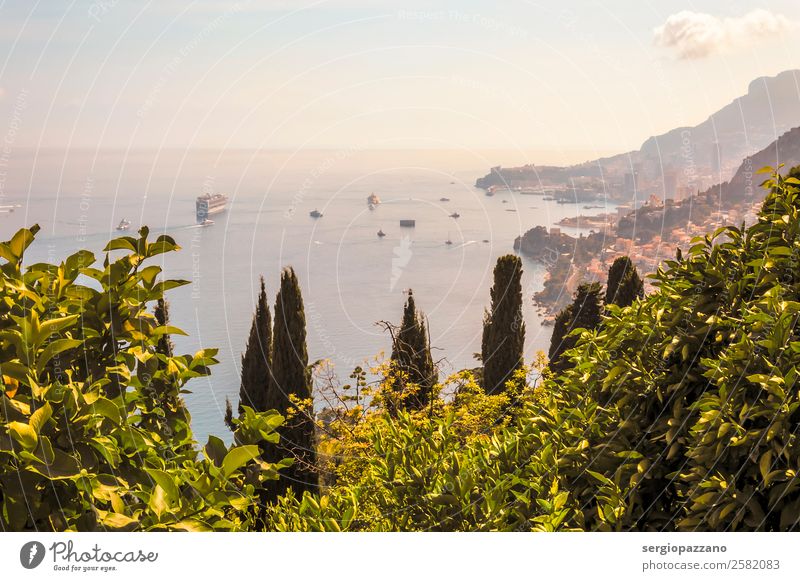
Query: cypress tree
{"type": "Point", "coordinates": [504, 328]}
{"type": "Point", "coordinates": [411, 355]}
{"type": "Point", "coordinates": [171, 405]}
{"type": "Point", "coordinates": [624, 284]}
{"type": "Point", "coordinates": [561, 329]}
{"type": "Point", "coordinates": [229, 415]}
{"type": "Point", "coordinates": [161, 313]}
{"type": "Point", "coordinates": [585, 312]}
{"type": "Point", "coordinates": [292, 381]}
{"type": "Point", "coordinates": [485, 334]}
{"type": "Point", "coordinates": [256, 361]}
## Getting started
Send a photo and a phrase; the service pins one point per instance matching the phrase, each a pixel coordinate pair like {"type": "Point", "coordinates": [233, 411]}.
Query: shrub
{"type": "Point", "coordinates": [93, 433]}
{"type": "Point", "coordinates": [680, 412]}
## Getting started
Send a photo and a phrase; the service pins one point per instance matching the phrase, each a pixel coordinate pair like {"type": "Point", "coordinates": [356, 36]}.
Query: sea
{"type": "Point", "coordinates": [351, 278]}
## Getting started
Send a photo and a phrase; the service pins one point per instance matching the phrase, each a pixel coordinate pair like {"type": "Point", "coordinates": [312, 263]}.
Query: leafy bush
{"type": "Point", "coordinates": [697, 387]}
{"type": "Point", "coordinates": [93, 431]}
{"type": "Point", "coordinates": [460, 465]}
{"type": "Point", "coordinates": [680, 412]}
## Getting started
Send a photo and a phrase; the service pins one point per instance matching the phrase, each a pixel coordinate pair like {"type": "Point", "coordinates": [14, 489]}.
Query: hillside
{"type": "Point", "coordinates": [770, 108]}
{"type": "Point", "coordinates": [709, 151]}
{"type": "Point", "coordinates": [783, 151]}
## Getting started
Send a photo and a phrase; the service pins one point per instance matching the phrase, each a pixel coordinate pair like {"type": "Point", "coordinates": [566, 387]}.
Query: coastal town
{"type": "Point", "coordinates": [646, 254]}
{"type": "Point", "coordinates": [655, 211]}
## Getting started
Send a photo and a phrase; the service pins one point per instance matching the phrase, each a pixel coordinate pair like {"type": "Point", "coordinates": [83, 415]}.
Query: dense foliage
{"type": "Point", "coordinates": [290, 389]}
{"type": "Point", "coordinates": [585, 312]}
{"type": "Point", "coordinates": [697, 384]}
{"type": "Point", "coordinates": [257, 357]}
{"type": "Point", "coordinates": [412, 373]}
{"type": "Point", "coordinates": [161, 313]}
{"type": "Point", "coordinates": [624, 284]}
{"type": "Point", "coordinates": [93, 431]}
{"type": "Point", "coordinates": [503, 328]}
{"type": "Point", "coordinates": [679, 411]}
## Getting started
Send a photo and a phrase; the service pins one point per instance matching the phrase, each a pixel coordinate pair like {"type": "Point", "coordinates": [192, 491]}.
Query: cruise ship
{"type": "Point", "coordinates": [210, 204]}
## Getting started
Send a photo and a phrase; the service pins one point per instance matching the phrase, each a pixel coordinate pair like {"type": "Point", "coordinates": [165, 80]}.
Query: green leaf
{"type": "Point", "coordinates": [162, 244]}
{"type": "Point", "coordinates": [163, 286]}
{"type": "Point", "coordinates": [39, 417]}
{"type": "Point", "coordinates": [77, 261]}
{"type": "Point", "coordinates": [21, 240]}
{"type": "Point", "coordinates": [600, 477]}
{"type": "Point", "coordinates": [192, 526]}
{"type": "Point", "coordinates": [115, 520]}
{"type": "Point", "coordinates": [106, 408]}
{"type": "Point", "coordinates": [148, 275]}
{"type": "Point", "coordinates": [167, 330]}
{"type": "Point", "coordinates": [215, 450]}
{"type": "Point", "coordinates": [765, 463]}
{"type": "Point", "coordinates": [15, 370]}
{"type": "Point", "coordinates": [445, 499]}
{"type": "Point", "coordinates": [157, 501]}
{"type": "Point", "coordinates": [122, 243]}
{"type": "Point", "coordinates": [54, 348]}
{"type": "Point", "coordinates": [54, 326]}
{"type": "Point", "coordinates": [237, 458]}
{"type": "Point", "coordinates": [167, 485]}
{"type": "Point", "coordinates": [24, 435]}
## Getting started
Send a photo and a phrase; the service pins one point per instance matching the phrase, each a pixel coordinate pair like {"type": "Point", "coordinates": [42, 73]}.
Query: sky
{"type": "Point", "coordinates": [467, 74]}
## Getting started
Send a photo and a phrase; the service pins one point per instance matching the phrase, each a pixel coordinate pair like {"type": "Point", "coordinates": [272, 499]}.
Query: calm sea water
{"type": "Point", "coordinates": [350, 277]}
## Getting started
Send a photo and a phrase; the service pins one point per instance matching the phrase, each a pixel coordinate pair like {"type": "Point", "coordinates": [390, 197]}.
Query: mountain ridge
{"type": "Point", "coordinates": [743, 127]}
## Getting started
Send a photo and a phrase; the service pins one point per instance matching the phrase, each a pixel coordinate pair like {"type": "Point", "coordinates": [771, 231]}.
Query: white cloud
{"type": "Point", "coordinates": [693, 35]}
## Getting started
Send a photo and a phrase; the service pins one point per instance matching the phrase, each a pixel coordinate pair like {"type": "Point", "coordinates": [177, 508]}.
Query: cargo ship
{"type": "Point", "coordinates": [210, 204]}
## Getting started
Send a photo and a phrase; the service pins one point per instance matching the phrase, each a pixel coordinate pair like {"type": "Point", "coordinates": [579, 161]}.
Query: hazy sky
{"type": "Point", "coordinates": [377, 73]}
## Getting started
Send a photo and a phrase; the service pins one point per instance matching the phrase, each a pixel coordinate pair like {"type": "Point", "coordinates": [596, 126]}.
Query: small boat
{"type": "Point", "coordinates": [448, 242]}
{"type": "Point", "coordinates": [315, 213]}
{"type": "Point", "coordinates": [408, 223]}
{"type": "Point", "coordinates": [548, 198]}
{"type": "Point", "coordinates": [490, 193]}
{"type": "Point", "coordinates": [381, 233]}
{"type": "Point", "coordinates": [444, 199]}
{"type": "Point", "coordinates": [123, 225]}
{"type": "Point", "coordinates": [373, 200]}
{"type": "Point", "coordinates": [455, 215]}
{"type": "Point", "coordinates": [207, 222]}
{"type": "Point", "coordinates": [486, 240]}
{"type": "Point", "coordinates": [505, 201]}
